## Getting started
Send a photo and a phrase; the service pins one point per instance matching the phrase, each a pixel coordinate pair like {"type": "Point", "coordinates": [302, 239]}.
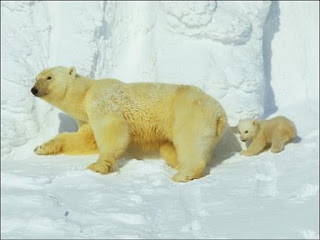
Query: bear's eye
{"type": "Point", "coordinates": [48, 78]}
{"type": "Point", "coordinates": [239, 132]}
{"type": "Point", "coordinates": [246, 132]}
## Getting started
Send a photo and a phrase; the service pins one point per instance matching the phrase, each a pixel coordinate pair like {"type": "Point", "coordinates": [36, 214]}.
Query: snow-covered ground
{"type": "Point", "coordinates": [259, 59]}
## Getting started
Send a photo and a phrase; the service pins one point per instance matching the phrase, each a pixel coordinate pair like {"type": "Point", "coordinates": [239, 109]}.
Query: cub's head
{"type": "Point", "coordinates": [52, 83]}
{"type": "Point", "coordinates": [247, 129]}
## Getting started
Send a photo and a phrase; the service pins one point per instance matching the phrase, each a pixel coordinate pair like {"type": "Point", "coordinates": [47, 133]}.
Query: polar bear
{"type": "Point", "coordinates": [180, 121]}
{"type": "Point", "coordinates": [275, 132]}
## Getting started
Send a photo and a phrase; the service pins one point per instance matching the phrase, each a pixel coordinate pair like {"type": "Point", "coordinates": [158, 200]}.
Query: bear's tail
{"type": "Point", "coordinates": [221, 122]}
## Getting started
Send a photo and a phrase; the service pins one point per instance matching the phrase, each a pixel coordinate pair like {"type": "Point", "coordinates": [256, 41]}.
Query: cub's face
{"type": "Point", "coordinates": [53, 82]}
{"type": "Point", "coordinates": [247, 129]}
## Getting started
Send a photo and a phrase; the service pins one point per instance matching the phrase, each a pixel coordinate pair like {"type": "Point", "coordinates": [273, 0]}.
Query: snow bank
{"type": "Point", "coordinates": [264, 197]}
{"type": "Point", "coordinates": [214, 45]}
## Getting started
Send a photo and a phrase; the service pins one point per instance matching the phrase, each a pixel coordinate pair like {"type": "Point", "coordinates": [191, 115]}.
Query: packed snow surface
{"type": "Point", "coordinates": [259, 59]}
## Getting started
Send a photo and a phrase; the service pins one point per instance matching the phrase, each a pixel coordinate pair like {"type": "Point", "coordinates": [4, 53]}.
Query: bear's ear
{"type": "Point", "coordinates": [254, 122]}
{"type": "Point", "coordinates": [72, 71]}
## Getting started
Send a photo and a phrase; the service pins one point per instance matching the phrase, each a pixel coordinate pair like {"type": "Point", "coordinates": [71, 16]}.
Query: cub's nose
{"type": "Point", "coordinates": [34, 91]}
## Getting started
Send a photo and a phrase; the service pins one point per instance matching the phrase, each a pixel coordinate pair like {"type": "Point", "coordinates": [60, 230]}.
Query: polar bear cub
{"type": "Point", "coordinates": [275, 132]}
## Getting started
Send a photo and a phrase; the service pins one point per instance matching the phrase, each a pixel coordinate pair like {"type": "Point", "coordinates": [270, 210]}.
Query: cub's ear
{"type": "Point", "coordinates": [255, 122]}
{"type": "Point", "coordinates": [72, 71]}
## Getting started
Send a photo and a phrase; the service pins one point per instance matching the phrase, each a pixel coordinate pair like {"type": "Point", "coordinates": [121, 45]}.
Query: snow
{"type": "Point", "coordinates": [300, 53]}
{"type": "Point", "coordinates": [259, 59]}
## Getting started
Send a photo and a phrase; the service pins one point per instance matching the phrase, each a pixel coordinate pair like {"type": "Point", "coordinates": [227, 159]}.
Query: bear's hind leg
{"type": "Point", "coordinates": [195, 132]}
{"type": "Point", "coordinates": [278, 142]}
{"type": "Point", "coordinates": [188, 173]}
{"type": "Point", "coordinates": [112, 136]}
{"type": "Point", "coordinates": [192, 162]}
{"type": "Point", "coordinates": [194, 150]}
{"type": "Point", "coordinates": [169, 154]}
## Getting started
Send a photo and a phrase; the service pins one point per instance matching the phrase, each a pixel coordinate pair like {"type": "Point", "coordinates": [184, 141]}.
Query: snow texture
{"type": "Point", "coordinates": [259, 59]}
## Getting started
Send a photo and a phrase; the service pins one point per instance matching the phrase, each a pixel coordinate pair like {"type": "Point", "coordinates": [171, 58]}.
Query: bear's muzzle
{"type": "Point", "coordinates": [34, 91]}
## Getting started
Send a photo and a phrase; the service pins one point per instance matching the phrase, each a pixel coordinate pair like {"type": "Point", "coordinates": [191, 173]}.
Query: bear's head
{"type": "Point", "coordinates": [247, 129]}
{"type": "Point", "coordinates": [52, 83]}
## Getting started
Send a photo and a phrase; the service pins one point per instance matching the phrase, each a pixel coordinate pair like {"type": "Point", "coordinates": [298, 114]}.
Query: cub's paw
{"type": "Point", "coordinates": [102, 168]}
{"type": "Point", "coordinates": [276, 149]}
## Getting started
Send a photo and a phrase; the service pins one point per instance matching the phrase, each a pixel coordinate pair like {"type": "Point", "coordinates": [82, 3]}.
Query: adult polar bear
{"type": "Point", "coordinates": [113, 117]}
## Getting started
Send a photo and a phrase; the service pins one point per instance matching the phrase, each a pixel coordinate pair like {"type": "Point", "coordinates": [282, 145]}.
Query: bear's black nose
{"type": "Point", "coordinates": [34, 91]}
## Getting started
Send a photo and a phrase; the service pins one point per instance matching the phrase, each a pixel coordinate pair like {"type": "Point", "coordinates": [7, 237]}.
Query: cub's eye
{"type": "Point", "coordinates": [246, 132]}
{"type": "Point", "coordinates": [48, 78]}
{"type": "Point", "coordinates": [239, 132]}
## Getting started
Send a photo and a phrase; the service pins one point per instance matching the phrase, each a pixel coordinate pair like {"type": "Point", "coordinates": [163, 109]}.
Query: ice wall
{"type": "Point", "coordinates": [25, 41]}
{"type": "Point", "coordinates": [216, 46]}
{"type": "Point", "coordinates": [294, 69]}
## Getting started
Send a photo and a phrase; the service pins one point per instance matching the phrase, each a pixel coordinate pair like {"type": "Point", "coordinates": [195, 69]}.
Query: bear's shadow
{"type": "Point", "coordinates": [297, 139]}
{"type": "Point", "coordinates": [227, 147]}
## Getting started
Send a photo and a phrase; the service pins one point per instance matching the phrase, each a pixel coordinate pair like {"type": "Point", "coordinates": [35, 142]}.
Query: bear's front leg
{"type": "Point", "coordinates": [53, 146]}
{"type": "Point", "coordinates": [257, 145]}
{"type": "Point", "coordinates": [112, 136]}
{"type": "Point", "coordinates": [73, 143]}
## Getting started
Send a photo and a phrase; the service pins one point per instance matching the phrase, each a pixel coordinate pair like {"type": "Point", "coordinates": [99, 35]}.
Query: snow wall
{"type": "Point", "coordinates": [246, 55]}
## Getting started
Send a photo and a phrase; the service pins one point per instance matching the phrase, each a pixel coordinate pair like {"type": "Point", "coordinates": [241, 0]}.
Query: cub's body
{"type": "Point", "coordinates": [275, 132]}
